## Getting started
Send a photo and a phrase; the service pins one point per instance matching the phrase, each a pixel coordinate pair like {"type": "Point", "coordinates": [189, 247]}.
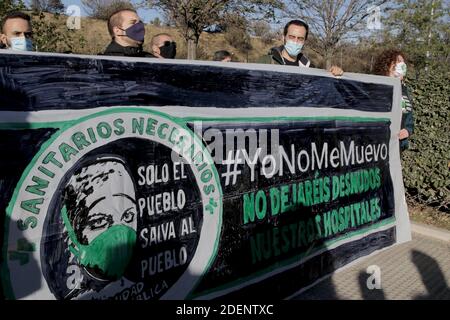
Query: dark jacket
{"type": "Point", "coordinates": [407, 116]}
{"type": "Point", "coordinates": [115, 49]}
{"type": "Point", "coordinates": [274, 57]}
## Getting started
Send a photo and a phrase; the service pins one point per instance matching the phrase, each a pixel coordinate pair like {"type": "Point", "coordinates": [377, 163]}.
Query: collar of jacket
{"type": "Point", "coordinates": [275, 53]}
{"type": "Point", "coordinates": [116, 49]}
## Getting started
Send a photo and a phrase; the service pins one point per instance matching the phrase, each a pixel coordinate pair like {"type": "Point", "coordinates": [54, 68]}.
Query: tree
{"type": "Point", "coordinates": [53, 6]}
{"type": "Point", "coordinates": [157, 22]}
{"type": "Point", "coordinates": [422, 30]}
{"type": "Point", "coordinates": [10, 5]}
{"type": "Point", "coordinates": [237, 35]}
{"type": "Point", "coordinates": [263, 30]}
{"type": "Point", "coordinates": [50, 33]}
{"type": "Point", "coordinates": [192, 16]}
{"type": "Point", "coordinates": [332, 20]}
{"type": "Point", "coordinates": [260, 28]}
{"type": "Point", "coordinates": [102, 9]}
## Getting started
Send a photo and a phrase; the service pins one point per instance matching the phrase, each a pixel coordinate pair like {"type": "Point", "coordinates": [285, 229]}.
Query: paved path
{"type": "Point", "coordinates": [419, 269]}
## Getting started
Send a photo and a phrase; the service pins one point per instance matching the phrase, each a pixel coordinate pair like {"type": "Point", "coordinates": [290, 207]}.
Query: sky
{"type": "Point", "coordinates": [146, 15]}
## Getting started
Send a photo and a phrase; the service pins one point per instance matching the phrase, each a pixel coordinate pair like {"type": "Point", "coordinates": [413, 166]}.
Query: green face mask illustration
{"type": "Point", "coordinates": [111, 251]}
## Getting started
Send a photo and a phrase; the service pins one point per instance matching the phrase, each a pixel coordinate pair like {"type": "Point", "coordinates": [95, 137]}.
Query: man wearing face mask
{"type": "Point", "coordinates": [163, 46]}
{"type": "Point", "coordinates": [127, 32]}
{"type": "Point", "coordinates": [16, 33]}
{"type": "Point", "coordinates": [290, 53]}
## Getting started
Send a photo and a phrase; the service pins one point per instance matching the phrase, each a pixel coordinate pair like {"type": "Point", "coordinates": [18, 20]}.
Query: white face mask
{"type": "Point", "coordinates": [400, 69]}
{"type": "Point", "coordinates": [21, 44]}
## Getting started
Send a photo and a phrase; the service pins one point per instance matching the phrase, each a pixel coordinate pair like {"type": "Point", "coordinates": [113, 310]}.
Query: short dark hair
{"type": "Point", "coordinates": [221, 54]}
{"type": "Point", "coordinates": [14, 15]}
{"type": "Point", "coordinates": [299, 23]}
{"type": "Point", "coordinates": [115, 19]}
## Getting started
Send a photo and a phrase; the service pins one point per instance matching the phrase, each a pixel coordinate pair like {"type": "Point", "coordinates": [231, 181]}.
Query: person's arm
{"type": "Point", "coordinates": [407, 116]}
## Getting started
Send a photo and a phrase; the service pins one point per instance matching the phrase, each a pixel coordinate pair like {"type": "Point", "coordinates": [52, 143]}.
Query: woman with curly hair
{"type": "Point", "coordinates": [391, 63]}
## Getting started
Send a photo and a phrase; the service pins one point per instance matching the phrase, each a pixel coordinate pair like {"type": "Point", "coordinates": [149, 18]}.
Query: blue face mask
{"type": "Point", "coordinates": [21, 44]}
{"type": "Point", "coordinates": [293, 48]}
{"type": "Point", "coordinates": [136, 32]}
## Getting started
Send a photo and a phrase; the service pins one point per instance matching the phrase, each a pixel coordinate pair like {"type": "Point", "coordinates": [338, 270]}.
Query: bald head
{"type": "Point", "coordinates": [159, 39]}
{"type": "Point", "coordinates": [163, 46]}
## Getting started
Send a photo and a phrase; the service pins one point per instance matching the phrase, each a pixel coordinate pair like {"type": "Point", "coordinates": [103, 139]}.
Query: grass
{"type": "Point", "coordinates": [427, 215]}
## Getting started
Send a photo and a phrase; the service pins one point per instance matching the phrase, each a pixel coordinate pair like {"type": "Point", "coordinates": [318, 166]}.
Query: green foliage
{"type": "Point", "coordinates": [10, 5]}
{"type": "Point", "coordinates": [426, 165]}
{"type": "Point", "coordinates": [50, 34]}
{"type": "Point", "coordinates": [421, 29]}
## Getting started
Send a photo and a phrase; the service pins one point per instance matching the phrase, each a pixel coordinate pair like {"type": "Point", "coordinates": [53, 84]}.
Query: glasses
{"type": "Point", "coordinates": [168, 43]}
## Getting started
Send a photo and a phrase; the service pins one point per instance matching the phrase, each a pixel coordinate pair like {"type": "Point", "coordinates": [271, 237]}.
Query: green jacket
{"type": "Point", "coordinates": [407, 116]}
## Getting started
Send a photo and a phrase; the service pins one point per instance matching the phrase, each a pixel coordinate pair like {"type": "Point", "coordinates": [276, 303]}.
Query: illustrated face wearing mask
{"type": "Point", "coordinates": [132, 30]}
{"type": "Point", "coordinates": [17, 35]}
{"type": "Point", "coordinates": [101, 218]}
{"type": "Point", "coordinates": [294, 40]}
{"type": "Point", "coordinates": [164, 47]}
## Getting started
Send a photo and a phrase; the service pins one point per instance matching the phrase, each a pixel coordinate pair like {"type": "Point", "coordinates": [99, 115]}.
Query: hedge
{"type": "Point", "coordinates": [426, 164]}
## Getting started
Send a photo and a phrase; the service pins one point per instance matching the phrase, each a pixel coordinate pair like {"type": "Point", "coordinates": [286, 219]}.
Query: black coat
{"type": "Point", "coordinates": [115, 49]}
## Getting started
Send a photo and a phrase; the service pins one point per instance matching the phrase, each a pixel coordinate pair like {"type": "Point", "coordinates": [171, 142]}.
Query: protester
{"type": "Point", "coordinates": [127, 33]}
{"type": "Point", "coordinates": [290, 53]}
{"type": "Point", "coordinates": [223, 56]}
{"type": "Point", "coordinates": [163, 46]}
{"type": "Point", "coordinates": [391, 63]}
{"type": "Point", "coordinates": [16, 32]}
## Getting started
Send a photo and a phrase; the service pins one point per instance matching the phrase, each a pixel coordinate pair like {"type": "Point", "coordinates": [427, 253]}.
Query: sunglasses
{"type": "Point", "coordinates": [168, 43]}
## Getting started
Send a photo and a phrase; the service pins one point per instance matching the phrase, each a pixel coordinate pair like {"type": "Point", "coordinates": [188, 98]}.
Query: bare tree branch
{"type": "Point", "coordinates": [331, 20]}
{"type": "Point", "coordinates": [192, 16]}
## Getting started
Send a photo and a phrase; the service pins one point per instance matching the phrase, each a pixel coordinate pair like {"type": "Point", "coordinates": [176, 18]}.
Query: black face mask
{"type": "Point", "coordinates": [168, 50]}
{"type": "Point", "coordinates": [135, 32]}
